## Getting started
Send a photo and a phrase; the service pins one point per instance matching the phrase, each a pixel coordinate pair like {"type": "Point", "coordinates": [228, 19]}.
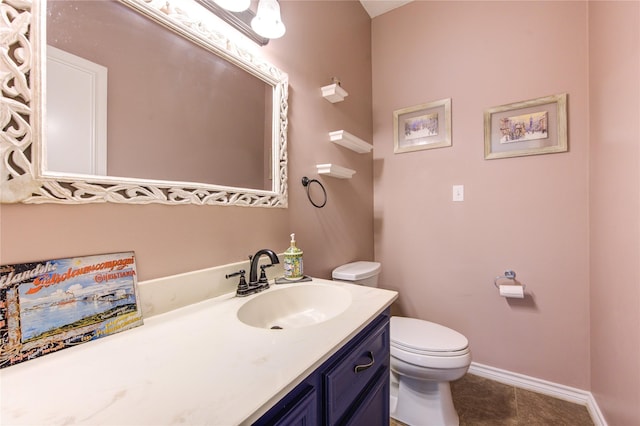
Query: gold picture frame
{"type": "Point", "coordinates": [424, 126]}
{"type": "Point", "coordinates": [533, 127]}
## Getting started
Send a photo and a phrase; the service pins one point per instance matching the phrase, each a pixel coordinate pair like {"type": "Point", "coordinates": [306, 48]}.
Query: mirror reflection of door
{"type": "Point", "coordinates": [76, 93]}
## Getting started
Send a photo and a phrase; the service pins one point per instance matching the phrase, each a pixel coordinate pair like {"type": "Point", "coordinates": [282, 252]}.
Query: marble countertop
{"type": "Point", "coordinates": [194, 365]}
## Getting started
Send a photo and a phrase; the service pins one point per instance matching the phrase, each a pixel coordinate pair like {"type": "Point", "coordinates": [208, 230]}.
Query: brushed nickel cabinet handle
{"type": "Point", "coordinates": [362, 367]}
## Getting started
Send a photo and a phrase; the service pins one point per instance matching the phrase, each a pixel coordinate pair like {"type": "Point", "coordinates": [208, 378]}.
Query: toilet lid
{"type": "Point", "coordinates": [356, 271]}
{"type": "Point", "coordinates": [417, 335]}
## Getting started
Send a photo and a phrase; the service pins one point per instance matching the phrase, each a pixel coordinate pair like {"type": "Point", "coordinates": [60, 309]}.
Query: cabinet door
{"type": "Point", "coordinates": [373, 410]}
{"type": "Point", "coordinates": [302, 410]}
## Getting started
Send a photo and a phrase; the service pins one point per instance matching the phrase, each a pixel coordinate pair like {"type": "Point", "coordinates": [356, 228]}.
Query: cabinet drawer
{"type": "Point", "coordinates": [349, 377]}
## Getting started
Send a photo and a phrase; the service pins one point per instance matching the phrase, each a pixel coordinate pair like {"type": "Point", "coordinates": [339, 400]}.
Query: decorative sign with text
{"type": "Point", "coordinates": [52, 305]}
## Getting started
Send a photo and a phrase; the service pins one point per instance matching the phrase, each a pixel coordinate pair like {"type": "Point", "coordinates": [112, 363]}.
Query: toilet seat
{"type": "Point", "coordinates": [460, 359]}
{"type": "Point", "coordinates": [426, 338]}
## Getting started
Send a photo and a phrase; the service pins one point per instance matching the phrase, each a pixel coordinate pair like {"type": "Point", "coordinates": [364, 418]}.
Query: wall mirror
{"type": "Point", "coordinates": [164, 107]}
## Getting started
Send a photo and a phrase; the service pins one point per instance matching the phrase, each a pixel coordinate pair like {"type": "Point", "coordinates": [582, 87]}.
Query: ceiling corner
{"type": "Point", "coordinates": [378, 7]}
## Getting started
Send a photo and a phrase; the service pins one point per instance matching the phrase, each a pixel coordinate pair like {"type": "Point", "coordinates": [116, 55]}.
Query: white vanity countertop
{"type": "Point", "coordinates": [194, 365]}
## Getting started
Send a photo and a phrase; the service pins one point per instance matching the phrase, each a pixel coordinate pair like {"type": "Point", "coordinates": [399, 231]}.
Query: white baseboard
{"type": "Point", "coordinates": [544, 387]}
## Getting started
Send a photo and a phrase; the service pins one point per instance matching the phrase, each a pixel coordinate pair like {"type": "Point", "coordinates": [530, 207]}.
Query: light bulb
{"type": "Point", "coordinates": [267, 21]}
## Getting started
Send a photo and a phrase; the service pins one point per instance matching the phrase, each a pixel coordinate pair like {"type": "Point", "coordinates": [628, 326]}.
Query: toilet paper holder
{"type": "Point", "coordinates": [508, 275]}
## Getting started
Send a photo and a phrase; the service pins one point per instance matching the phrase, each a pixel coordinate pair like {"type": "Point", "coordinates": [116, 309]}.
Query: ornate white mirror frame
{"type": "Point", "coordinates": [23, 177]}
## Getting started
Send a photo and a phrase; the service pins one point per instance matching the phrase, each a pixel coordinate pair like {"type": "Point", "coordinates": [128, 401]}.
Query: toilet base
{"type": "Point", "coordinates": [422, 402]}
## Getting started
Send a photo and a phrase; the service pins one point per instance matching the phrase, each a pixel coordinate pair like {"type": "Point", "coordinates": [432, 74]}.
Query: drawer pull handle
{"type": "Point", "coordinates": [362, 367]}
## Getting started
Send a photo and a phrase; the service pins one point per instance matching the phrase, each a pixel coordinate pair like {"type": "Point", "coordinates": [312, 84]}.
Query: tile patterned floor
{"type": "Point", "coordinates": [484, 402]}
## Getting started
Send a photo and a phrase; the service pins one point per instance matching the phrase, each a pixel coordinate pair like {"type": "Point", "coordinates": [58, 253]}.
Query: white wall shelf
{"type": "Point", "coordinates": [334, 93]}
{"type": "Point", "coordinates": [347, 140]}
{"type": "Point", "coordinates": [335, 171]}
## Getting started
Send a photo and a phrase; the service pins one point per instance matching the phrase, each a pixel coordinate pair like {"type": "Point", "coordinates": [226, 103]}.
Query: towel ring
{"type": "Point", "coordinates": [306, 182]}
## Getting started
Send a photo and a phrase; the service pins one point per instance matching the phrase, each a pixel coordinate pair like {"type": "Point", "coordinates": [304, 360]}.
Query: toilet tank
{"type": "Point", "coordinates": [361, 273]}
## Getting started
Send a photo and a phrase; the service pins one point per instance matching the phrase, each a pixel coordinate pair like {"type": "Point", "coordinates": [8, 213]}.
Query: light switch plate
{"type": "Point", "coordinates": [458, 192]}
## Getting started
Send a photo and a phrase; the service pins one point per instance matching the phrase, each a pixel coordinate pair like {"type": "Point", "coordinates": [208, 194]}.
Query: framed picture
{"type": "Point", "coordinates": [537, 126]}
{"type": "Point", "coordinates": [424, 126]}
{"type": "Point", "coordinates": [55, 304]}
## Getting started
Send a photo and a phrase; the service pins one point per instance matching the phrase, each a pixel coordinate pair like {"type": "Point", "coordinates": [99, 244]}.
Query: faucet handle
{"type": "Point", "coordinates": [263, 276]}
{"type": "Point", "coordinates": [241, 272]}
{"type": "Point", "coordinates": [243, 287]}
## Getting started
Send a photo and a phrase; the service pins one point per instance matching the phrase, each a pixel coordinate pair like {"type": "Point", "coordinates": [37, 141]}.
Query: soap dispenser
{"type": "Point", "coordinates": [293, 261]}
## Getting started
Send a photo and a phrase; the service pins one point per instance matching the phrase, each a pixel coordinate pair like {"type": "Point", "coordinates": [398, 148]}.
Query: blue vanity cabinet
{"type": "Point", "coordinates": [357, 382]}
{"type": "Point", "coordinates": [350, 388]}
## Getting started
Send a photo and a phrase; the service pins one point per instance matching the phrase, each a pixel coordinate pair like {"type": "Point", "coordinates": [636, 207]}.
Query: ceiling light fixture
{"type": "Point", "coordinates": [234, 5]}
{"type": "Point", "coordinates": [267, 21]}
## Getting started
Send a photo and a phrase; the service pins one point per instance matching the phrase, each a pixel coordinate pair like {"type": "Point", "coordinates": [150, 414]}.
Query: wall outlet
{"type": "Point", "coordinates": [458, 192]}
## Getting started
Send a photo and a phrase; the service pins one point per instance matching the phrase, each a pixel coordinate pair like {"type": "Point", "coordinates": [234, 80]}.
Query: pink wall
{"type": "Point", "coordinates": [174, 239]}
{"type": "Point", "coordinates": [529, 214]}
{"type": "Point", "coordinates": [614, 111]}
{"type": "Point", "coordinates": [328, 39]}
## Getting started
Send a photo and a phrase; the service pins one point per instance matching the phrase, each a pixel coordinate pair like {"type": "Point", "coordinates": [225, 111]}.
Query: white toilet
{"type": "Point", "coordinates": [425, 357]}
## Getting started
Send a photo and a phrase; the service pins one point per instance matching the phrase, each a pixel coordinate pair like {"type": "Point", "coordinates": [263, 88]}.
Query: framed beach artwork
{"type": "Point", "coordinates": [424, 126]}
{"type": "Point", "coordinates": [536, 126]}
{"type": "Point", "coordinates": [55, 304]}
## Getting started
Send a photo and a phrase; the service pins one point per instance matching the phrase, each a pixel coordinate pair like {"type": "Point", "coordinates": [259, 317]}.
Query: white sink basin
{"type": "Point", "coordinates": [294, 307]}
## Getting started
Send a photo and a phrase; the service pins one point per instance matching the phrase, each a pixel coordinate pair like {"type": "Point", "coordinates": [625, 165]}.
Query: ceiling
{"type": "Point", "coordinates": [378, 7]}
